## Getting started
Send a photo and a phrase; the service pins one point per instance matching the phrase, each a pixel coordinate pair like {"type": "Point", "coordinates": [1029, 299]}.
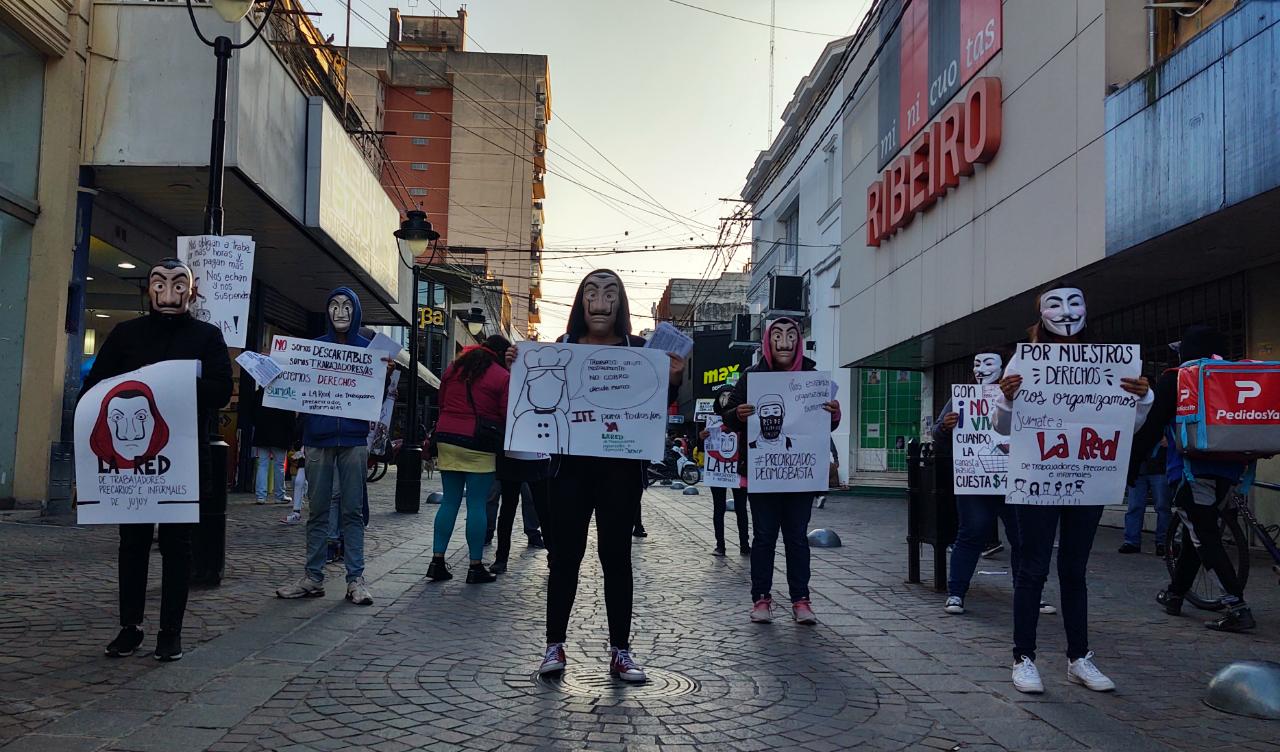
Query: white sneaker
{"type": "Point", "coordinates": [955, 605]}
{"type": "Point", "coordinates": [305, 587]}
{"type": "Point", "coordinates": [1048, 608]}
{"type": "Point", "coordinates": [1082, 671]}
{"type": "Point", "coordinates": [292, 518]}
{"type": "Point", "coordinates": [358, 592]}
{"type": "Point", "coordinates": [1026, 677]}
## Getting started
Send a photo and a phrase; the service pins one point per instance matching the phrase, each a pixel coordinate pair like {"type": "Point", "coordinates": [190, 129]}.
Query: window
{"type": "Point", "coordinates": [417, 191]}
{"type": "Point", "coordinates": [789, 224]}
{"type": "Point", "coordinates": [21, 99]}
{"type": "Point", "coordinates": [419, 141]}
{"type": "Point", "coordinates": [419, 166]}
{"type": "Point", "coordinates": [422, 116]}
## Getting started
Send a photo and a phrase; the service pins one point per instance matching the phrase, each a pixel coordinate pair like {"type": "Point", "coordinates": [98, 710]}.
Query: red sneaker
{"type": "Point", "coordinates": [762, 611]}
{"type": "Point", "coordinates": [802, 612]}
{"type": "Point", "coordinates": [554, 660]}
{"type": "Point", "coordinates": [623, 666]}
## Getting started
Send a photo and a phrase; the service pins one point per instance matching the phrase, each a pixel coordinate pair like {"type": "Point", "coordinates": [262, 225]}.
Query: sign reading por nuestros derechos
{"type": "Point", "coordinates": [1072, 424]}
{"type": "Point", "coordinates": [325, 378]}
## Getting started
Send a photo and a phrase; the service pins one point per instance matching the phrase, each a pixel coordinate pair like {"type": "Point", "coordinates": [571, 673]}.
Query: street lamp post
{"type": "Point", "coordinates": [209, 547]}
{"type": "Point", "coordinates": [416, 233]}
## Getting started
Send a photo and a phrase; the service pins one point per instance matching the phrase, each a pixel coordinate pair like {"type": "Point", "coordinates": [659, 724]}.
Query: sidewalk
{"type": "Point", "coordinates": [451, 666]}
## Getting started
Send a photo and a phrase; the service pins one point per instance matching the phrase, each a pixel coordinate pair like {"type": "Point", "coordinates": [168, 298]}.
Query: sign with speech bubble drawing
{"type": "Point", "coordinates": [588, 400]}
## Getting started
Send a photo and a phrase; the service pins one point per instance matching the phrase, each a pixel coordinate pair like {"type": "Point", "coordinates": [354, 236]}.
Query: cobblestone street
{"type": "Point", "coordinates": [451, 666]}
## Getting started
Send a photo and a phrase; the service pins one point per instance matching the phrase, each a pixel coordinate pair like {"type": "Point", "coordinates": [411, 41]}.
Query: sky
{"type": "Point", "coordinates": [676, 98]}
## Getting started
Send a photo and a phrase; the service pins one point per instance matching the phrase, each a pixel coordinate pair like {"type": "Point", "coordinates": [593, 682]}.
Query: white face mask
{"type": "Point", "coordinates": [1062, 311]}
{"type": "Point", "coordinates": [986, 368]}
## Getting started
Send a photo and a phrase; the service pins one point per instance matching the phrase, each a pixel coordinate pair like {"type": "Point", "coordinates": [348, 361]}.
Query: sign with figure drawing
{"type": "Point", "coordinates": [720, 458]}
{"type": "Point", "coordinates": [980, 453]}
{"type": "Point", "coordinates": [588, 400]}
{"type": "Point", "coordinates": [789, 435]}
{"type": "Point", "coordinates": [136, 447]}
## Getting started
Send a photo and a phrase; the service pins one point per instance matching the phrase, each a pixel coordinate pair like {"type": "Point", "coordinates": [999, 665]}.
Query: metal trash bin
{"type": "Point", "coordinates": [931, 509]}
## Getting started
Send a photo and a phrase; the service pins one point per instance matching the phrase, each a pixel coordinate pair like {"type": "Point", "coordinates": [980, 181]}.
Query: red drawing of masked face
{"type": "Point", "coordinates": [130, 429]}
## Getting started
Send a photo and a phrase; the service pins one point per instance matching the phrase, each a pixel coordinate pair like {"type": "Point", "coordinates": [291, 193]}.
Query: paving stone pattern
{"type": "Point", "coordinates": [450, 666]}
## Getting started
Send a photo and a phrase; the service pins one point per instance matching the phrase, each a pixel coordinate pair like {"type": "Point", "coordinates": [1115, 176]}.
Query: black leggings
{"type": "Point", "coordinates": [718, 496]}
{"type": "Point", "coordinates": [539, 490]}
{"type": "Point", "coordinates": [1202, 537]}
{"type": "Point", "coordinates": [135, 554]}
{"type": "Point", "coordinates": [606, 488]}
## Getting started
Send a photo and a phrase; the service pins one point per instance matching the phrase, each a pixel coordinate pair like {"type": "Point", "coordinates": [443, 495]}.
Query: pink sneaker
{"type": "Point", "coordinates": [802, 612]}
{"type": "Point", "coordinates": [762, 611]}
{"type": "Point", "coordinates": [622, 665]}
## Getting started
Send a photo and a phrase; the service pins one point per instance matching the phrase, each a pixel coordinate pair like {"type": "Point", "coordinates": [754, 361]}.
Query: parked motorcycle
{"type": "Point", "coordinates": [675, 466]}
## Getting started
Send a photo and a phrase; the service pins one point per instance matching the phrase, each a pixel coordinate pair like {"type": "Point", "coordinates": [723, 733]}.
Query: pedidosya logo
{"type": "Point", "coordinates": [1252, 403]}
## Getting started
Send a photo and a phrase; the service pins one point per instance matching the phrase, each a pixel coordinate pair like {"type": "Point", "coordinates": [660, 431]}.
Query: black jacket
{"type": "Point", "coordinates": [729, 413]}
{"type": "Point", "coordinates": [155, 338]}
{"type": "Point", "coordinates": [272, 428]}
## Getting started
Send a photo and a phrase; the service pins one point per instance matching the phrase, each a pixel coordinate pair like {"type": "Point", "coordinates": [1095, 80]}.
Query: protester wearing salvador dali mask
{"type": "Point", "coordinates": [609, 488]}
{"type": "Point", "coordinates": [167, 332]}
{"type": "Point", "coordinates": [977, 514]}
{"type": "Point", "coordinates": [335, 446]}
{"type": "Point", "coordinates": [1062, 320]}
{"type": "Point", "coordinates": [789, 513]}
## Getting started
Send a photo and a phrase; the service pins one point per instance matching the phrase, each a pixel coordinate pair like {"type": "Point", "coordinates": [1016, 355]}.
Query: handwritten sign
{"type": "Point", "coordinates": [325, 378]}
{"type": "Point", "coordinates": [720, 458]}
{"type": "Point", "coordinates": [137, 457]}
{"type": "Point", "coordinates": [788, 437]}
{"type": "Point", "coordinates": [980, 453]}
{"type": "Point", "coordinates": [1072, 424]}
{"type": "Point", "coordinates": [223, 269]}
{"type": "Point", "coordinates": [588, 400]}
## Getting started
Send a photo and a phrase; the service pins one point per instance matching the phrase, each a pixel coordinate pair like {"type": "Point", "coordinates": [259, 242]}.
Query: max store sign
{"type": "Point", "coordinates": [964, 134]}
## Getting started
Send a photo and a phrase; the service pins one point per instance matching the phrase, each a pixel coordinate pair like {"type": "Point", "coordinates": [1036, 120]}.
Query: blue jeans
{"type": "Point", "coordinates": [1038, 526]}
{"type": "Point", "coordinates": [269, 459]}
{"type": "Point", "coordinates": [977, 514]}
{"type": "Point", "coordinates": [476, 486]}
{"type": "Point", "coordinates": [348, 464]}
{"type": "Point", "coordinates": [1138, 505]}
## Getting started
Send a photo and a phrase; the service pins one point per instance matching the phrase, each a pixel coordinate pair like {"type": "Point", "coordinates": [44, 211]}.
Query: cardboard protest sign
{"type": "Point", "coordinates": [789, 436]}
{"type": "Point", "coordinates": [588, 400]}
{"type": "Point", "coordinates": [223, 269]}
{"type": "Point", "coordinates": [136, 439]}
{"type": "Point", "coordinates": [1072, 424]}
{"type": "Point", "coordinates": [720, 456]}
{"type": "Point", "coordinates": [980, 453]}
{"type": "Point", "coordinates": [325, 378]}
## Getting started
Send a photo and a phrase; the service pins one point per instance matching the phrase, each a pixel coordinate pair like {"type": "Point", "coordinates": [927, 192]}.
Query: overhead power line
{"type": "Point", "coordinates": [754, 23]}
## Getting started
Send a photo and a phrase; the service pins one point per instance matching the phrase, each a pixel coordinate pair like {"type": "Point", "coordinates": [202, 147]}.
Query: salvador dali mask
{"type": "Point", "coordinates": [170, 288]}
{"type": "Point", "coordinates": [340, 312]}
{"type": "Point", "coordinates": [784, 344]}
{"type": "Point", "coordinates": [600, 301]}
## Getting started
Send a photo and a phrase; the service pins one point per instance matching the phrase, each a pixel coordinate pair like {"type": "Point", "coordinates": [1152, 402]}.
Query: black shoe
{"type": "Point", "coordinates": [125, 643]}
{"type": "Point", "coordinates": [639, 532]}
{"type": "Point", "coordinates": [438, 572]}
{"type": "Point", "coordinates": [1129, 548]}
{"type": "Point", "coordinates": [1161, 550]}
{"type": "Point", "coordinates": [536, 541]}
{"type": "Point", "coordinates": [1237, 618]}
{"type": "Point", "coordinates": [477, 575]}
{"type": "Point", "coordinates": [745, 550]}
{"type": "Point", "coordinates": [719, 551]}
{"type": "Point", "coordinates": [498, 567]}
{"type": "Point", "coordinates": [1172, 603]}
{"type": "Point", "coordinates": [168, 646]}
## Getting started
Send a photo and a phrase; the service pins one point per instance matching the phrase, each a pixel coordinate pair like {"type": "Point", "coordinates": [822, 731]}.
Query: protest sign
{"type": "Point", "coordinates": [720, 459]}
{"type": "Point", "coordinates": [980, 453]}
{"type": "Point", "coordinates": [588, 400]}
{"type": "Point", "coordinates": [262, 368]}
{"type": "Point", "coordinates": [1072, 424]}
{"type": "Point", "coordinates": [789, 436]}
{"type": "Point", "coordinates": [325, 378]}
{"type": "Point", "coordinates": [703, 408]}
{"type": "Point", "coordinates": [136, 449]}
{"type": "Point", "coordinates": [223, 269]}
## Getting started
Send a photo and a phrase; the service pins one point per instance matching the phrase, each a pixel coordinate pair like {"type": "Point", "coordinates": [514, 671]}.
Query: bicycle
{"type": "Point", "coordinates": [1206, 593]}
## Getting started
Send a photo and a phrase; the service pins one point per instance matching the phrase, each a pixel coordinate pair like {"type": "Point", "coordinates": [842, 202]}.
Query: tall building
{"type": "Point", "coordinates": [465, 133]}
{"type": "Point", "coordinates": [703, 302]}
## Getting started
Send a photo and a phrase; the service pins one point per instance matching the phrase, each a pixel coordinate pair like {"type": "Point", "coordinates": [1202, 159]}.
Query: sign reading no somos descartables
{"type": "Point", "coordinates": [325, 378]}
{"type": "Point", "coordinates": [1072, 424]}
{"type": "Point", "coordinates": [980, 454]}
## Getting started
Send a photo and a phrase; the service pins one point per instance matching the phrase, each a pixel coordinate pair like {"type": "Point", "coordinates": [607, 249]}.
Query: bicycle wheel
{"type": "Point", "coordinates": [1205, 592]}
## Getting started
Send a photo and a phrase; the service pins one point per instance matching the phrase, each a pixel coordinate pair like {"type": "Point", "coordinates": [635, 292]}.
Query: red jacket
{"type": "Point", "coordinates": [489, 393]}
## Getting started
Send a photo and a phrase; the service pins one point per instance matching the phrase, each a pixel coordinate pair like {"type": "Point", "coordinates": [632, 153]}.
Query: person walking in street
{"type": "Point", "coordinates": [1062, 320]}
{"type": "Point", "coordinates": [468, 437]}
{"type": "Point", "coordinates": [780, 350]}
{"type": "Point", "coordinates": [518, 473]}
{"type": "Point", "coordinates": [719, 497]}
{"type": "Point", "coordinates": [167, 332]}
{"type": "Point", "coordinates": [272, 438]}
{"type": "Point", "coordinates": [609, 488]}
{"type": "Point", "coordinates": [336, 449]}
{"type": "Point", "coordinates": [1201, 485]}
{"type": "Point", "coordinates": [1150, 478]}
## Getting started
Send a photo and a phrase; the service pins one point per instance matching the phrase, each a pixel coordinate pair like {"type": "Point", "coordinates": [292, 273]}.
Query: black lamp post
{"type": "Point", "coordinates": [232, 11]}
{"type": "Point", "coordinates": [209, 544]}
{"type": "Point", "coordinates": [416, 233]}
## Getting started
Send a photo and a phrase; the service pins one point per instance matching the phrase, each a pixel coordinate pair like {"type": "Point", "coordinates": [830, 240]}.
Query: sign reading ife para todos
{"type": "Point", "coordinates": [325, 378]}
{"type": "Point", "coordinates": [1072, 424]}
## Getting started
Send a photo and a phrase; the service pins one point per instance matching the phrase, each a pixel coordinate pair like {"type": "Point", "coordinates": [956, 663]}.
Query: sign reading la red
{"type": "Point", "coordinates": [965, 134]}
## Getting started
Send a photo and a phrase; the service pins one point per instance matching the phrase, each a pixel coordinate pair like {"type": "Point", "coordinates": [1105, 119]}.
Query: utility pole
{"type": "Point", "coordinates": [773, 10]}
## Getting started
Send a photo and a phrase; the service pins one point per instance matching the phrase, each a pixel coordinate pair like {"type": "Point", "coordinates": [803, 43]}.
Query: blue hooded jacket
{"type": "Point", "coordinates": [325, 430]}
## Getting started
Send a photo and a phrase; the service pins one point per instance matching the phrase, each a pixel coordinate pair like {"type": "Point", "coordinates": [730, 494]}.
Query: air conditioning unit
{"type": "Point", "coordinates": [786, 295]}
{"type": "Point", "coordinates": [746, 332]}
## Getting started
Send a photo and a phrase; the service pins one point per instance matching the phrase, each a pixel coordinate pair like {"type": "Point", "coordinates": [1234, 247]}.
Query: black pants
{"type": "Point", "coordinates": [1202, 536]}
{"type": "Point", "coordinates": [718, 497]}
{"type": "Point", "coordinates": [538, 491]}
{"type": "Point", "coordinates": [638, 524]}
{"type": "Point", "coordinates": [788, 513]}
{"type": "Point", "coordinates": [1074, 527]}
{"type": "Point", "coordinates": [611, 490]}
{"type": "Point", "coordinates": [135, 554]}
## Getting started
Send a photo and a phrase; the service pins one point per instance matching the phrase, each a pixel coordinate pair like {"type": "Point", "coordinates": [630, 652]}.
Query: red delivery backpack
{"type": "Point", "coordinates": [1228, 410]}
